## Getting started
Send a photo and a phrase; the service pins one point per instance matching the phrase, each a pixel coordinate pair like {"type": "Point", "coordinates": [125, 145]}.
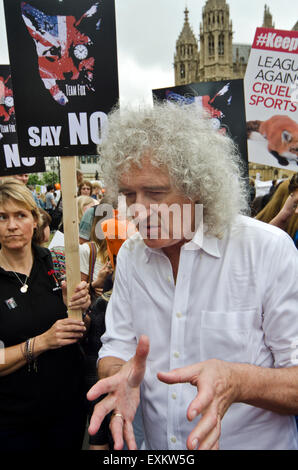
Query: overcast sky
{"type": "Point", "coordinates": [147, 31]}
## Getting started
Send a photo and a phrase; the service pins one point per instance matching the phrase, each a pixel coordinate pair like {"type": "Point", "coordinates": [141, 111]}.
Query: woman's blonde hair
{"type": "Point", "coordinates": [84, 201]}
{"type": "Point", "coordinates": [14, 190]}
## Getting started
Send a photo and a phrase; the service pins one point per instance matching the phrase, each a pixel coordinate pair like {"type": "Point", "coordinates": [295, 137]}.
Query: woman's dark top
{"type": "Point", "coordinates": [57, 387]}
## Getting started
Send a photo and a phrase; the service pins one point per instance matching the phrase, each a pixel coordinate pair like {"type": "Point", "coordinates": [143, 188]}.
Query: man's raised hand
{"type": "Point", "coordinates": [123, 396]}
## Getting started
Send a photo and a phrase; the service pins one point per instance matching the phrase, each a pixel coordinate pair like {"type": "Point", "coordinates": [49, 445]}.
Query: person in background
{"type": "Point", "coordinates": [95, 269]}
{"type": "Point", "coordinates": [85, 189]}
{"type": "Point", "coordinates": [96, 191]}
{"type": "Point", "coordinates": [41, 343]}
{"type": "Point", "coordinates": [86, 225]}
{"type": "Point", "coordinates": [42, 232]}
{"type": "Point", "coordinates": [107, 236]}
{"type": "Point", "coordinates": [80, 177]}
{"type": "Point", "coordinates": [23, 177]}
{"type": "Point", "coordinates": [35, 197]}
{"type": "Point", "coordinates": [50, 199]}
{"type": "Point", "coordinates": [276, 203]}
{"type": "Point", "coordinates": [102, 265]}
{"type": "Point", "coordinates": [84, 203]}
{"type": "Point", "coordinates": [289, 209]}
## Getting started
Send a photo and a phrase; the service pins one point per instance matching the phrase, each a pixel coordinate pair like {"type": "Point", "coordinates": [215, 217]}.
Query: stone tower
{"type": "Point", "coordinates": [216, 50]}
{"type": "Point", "coordinates": [186, 60]}
{"type": "Point", "coordinates": [267, 21]}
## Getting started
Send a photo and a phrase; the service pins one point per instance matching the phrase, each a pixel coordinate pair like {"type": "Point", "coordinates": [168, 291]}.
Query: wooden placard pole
{"type": "Point", "coordinates": [71, 228]}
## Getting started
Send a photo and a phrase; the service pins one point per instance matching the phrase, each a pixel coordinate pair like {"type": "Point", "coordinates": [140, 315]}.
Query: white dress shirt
{"type": "Point", "coordinates": [235, 299]}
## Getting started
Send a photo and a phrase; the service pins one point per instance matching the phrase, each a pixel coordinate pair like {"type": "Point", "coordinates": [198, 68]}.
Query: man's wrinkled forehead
{"type": "Point", "coordinates": [147, 170]}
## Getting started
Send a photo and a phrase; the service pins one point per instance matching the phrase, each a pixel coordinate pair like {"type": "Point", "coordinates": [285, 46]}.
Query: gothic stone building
{"type": "Point", "coordinates": [215, 57]}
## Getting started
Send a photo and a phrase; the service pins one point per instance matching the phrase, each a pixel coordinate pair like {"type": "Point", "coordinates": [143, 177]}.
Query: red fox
{"type": "Point", "coordinates": [281, 132]}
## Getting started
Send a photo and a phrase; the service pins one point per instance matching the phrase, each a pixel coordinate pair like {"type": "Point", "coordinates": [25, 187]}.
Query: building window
{"type": "Point", "coordinates": [211, 45]}
{"type": "Point", "coordinates": [182, 71]}
{"type": "Point", "coordinates": [221, 44]}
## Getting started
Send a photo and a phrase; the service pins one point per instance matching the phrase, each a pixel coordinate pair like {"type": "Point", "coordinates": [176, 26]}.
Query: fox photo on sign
{"type": "Point", "coordinates": [222, 100]}
{"type": "Point", "coordinates": [271, 99]}
{"type": "Point", "coordinates": [63, 58]}
{"type": "Point", "coordinates": [11, 163]}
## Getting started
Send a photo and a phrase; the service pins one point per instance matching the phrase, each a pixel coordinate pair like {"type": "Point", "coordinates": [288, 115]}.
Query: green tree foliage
{"type": "Point", "coordinates": [34, 179]}
{"type": "Point", "coordinates": [50, 178]}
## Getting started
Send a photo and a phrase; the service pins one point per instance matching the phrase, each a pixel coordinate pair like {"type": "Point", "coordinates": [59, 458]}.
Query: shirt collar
{"type": "Point", "coordinates": [200, 241]}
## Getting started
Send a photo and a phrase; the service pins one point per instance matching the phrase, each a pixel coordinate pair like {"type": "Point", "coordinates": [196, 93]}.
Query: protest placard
{"type": "Point", "coordinates": [63, 61]}
{"type": "Point", "coordinates": [64, 69]}
{"type": "Point", "coordinates": [271, 99]}
{"type": "Point", "coordinates": [223, 100]}
{"type": "Point", "coordinates": [11, 162]}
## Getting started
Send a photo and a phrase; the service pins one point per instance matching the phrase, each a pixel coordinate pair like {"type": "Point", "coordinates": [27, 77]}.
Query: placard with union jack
{"type": "Point", "coordinates": [63, 59]}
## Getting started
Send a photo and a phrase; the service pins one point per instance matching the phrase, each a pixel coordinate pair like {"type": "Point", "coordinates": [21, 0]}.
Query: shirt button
{"type": "Point", "coordinates": [169, 279]}
{"type": "Point", "coordinates": [178, 314]}
{"type": "Point", "coordinates": [176, 354]}
{"type": "Point", "coordinates": [173, 439]}
{"type": "Point", "coordinates": [174, 396]}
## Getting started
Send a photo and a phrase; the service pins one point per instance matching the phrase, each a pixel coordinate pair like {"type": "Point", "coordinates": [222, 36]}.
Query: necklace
{"type": "Point", "coordinates": [24, 287]}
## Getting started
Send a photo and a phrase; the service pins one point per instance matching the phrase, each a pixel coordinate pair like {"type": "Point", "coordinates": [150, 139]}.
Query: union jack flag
{"type": "Point", "coordinates": [64, 52]}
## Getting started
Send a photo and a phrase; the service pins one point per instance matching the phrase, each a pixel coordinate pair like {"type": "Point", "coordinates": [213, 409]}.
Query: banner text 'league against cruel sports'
{"type": "Point", "coordinates": [275, 79]}
{"type": "Point", "coordinates": [81, 128]}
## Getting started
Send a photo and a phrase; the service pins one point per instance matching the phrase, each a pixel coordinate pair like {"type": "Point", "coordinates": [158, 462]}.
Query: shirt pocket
{"type": "Point", "coordinates": [228, 336]}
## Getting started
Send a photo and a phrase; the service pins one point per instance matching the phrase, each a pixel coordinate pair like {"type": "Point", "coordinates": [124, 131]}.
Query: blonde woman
{"type": "Point", "coordinates": [40, 343]}
{"type": "Point", "coordinates": [97, 273]}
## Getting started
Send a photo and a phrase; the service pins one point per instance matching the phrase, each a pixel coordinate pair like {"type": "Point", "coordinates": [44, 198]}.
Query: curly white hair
{"type": "Point", "coordinates": [203, 164]}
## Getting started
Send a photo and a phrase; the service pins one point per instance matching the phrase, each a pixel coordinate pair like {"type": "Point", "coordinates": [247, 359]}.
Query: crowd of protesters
{"type": "Point", "coordinates": [212, 314]}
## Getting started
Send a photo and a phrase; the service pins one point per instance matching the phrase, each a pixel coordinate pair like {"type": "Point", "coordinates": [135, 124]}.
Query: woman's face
{"type": "Point", "coordinates": [16, 226]}
{"type": "Point", "coordinates": [85, 190]}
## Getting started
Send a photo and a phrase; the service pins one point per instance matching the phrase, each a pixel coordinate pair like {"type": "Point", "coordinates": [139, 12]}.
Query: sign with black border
{"type": "Point", "coordinates": [11, 162]}
{"type": "Point", "coordinates": [63, 59]}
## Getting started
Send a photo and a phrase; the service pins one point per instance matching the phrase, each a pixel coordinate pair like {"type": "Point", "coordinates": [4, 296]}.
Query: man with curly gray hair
{"type": "Point", "coordinates": [202, 323]}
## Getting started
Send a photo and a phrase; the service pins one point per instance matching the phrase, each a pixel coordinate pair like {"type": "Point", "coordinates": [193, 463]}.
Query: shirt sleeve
{"type": "Point", "coordinates": [280, 307]}
{"type": "Point", "coordinates": [84, 251]}
{"type": "Point", "coordinates": [119, 339]}
{"type": "Point", "coordinates": [86, 224]}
